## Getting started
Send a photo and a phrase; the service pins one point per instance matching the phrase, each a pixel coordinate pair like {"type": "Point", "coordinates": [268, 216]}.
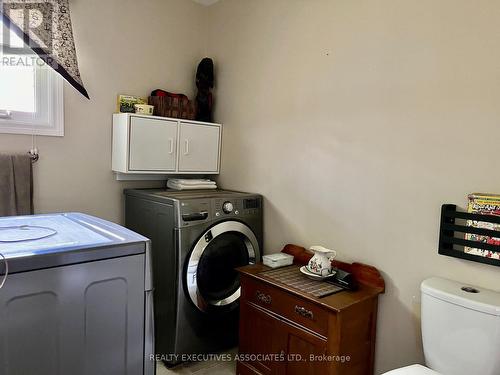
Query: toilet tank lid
{"type": "Point", "coordinates": [473, 297]}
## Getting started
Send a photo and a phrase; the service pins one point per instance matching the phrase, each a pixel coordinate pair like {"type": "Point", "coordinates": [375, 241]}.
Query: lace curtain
{"type": "Point", "coordinates": [45, 26]}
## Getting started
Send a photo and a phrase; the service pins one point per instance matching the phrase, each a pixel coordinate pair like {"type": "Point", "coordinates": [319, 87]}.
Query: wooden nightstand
{"type": "Point", "coordinates": [285, 331]}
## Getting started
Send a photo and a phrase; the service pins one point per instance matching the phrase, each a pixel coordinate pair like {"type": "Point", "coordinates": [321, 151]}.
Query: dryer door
{"type": "Point", "coordinates": [211, 279]}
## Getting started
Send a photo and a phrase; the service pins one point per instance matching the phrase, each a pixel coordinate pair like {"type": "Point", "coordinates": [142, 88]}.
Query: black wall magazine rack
{"type": "Point", "coordinates": [454, 231]}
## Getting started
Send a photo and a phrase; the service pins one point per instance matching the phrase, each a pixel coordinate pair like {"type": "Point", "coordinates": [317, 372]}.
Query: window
{"type": "Point", "coordinates": [31, 93]}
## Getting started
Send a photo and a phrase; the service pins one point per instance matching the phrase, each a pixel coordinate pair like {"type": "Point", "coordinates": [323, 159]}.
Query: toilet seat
{"type": "Point", "coordinates": [412, 370]}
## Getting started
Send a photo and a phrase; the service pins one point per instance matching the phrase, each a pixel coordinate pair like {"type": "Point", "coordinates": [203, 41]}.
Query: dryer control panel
{"type": "Point", "coordinates": [195, 211]}
{"type": "Point", "coordinates": [251, 206]}
{"type": "Point", "coordinates": [235, 207]}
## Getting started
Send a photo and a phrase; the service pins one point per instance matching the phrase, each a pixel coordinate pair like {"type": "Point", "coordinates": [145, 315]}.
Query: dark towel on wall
{"type": "Point", "coordinates": [16, 184]}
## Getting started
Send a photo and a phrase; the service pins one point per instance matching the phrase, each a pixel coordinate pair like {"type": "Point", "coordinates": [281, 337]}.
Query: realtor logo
{"type": "Point", "coordinates": [27, 26]}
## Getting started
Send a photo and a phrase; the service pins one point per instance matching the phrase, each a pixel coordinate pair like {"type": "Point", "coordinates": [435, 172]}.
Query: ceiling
{"type": "Point", "coordinates": [205, 2]}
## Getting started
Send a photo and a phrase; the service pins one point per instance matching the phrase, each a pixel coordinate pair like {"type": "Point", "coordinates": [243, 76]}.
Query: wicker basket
{"type": "Point", "coordinates": [175, 107]}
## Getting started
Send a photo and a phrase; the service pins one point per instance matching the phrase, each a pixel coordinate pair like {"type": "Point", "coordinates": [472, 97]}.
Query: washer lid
{"type": "Point", "coordinates": [23, 237]}
{"type": "Point", "coordinates": [471, 297]}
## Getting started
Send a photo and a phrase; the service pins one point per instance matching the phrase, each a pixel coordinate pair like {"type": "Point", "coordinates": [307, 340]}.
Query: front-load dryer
{"type": "Point", "coordinates": [198, 239]}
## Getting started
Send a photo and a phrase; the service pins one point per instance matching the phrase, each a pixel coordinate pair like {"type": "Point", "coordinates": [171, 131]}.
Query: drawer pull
{"type": "Point", "coordinates": [264, 298]}
{"type": "Point", "coordinates": [302, 311]}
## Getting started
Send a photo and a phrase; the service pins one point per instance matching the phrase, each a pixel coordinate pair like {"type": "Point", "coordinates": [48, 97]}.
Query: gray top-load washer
{"type": "Point", "coordinates": [77, 297]}
{"type": "Point", "coordinates": [198, 239]}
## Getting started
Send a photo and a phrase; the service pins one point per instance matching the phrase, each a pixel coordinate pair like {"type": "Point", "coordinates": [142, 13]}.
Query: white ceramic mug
{"type": "Point", "coordinates": [321, 262]}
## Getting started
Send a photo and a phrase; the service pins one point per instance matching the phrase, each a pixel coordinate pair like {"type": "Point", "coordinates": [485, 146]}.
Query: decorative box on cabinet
{"type": "Point", "coordinates": [284, 331]}
{"type": "Point", "coordinates": [152, 145]}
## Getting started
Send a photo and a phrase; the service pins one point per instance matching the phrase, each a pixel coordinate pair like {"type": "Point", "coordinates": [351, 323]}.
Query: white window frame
{"type": "Point", "coordinates": [49, 119]}
{"type": "Point", "coordinates": [49, 103]}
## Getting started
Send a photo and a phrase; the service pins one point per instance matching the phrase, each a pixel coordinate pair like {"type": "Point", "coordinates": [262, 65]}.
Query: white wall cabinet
{"type": "Point", "coordinates": [199, 147]}
{"type": "Point", "coordinates": [152, 145]}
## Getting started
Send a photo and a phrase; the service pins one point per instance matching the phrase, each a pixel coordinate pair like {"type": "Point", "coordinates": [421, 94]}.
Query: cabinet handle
{"type": "Point", "coordinates": [302, 311]}
{"type": "Point", "coordinates": [171, 140]}
{"type": "Point", "coordinates": [264, 298]}
{"type": "Point", "coordinates": [186, 147]}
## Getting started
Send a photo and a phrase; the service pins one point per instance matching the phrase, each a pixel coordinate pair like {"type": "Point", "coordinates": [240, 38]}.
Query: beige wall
{"type": "Point", "coordinates": [356, 120]}
{"type": "Point", "coordinates": [349, 116]}
{"type": "Point", "coordinates": [124, 47]}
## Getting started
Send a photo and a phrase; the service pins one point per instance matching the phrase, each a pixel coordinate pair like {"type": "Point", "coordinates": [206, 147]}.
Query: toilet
{"type": "Point", "coordinates": [460, 330]}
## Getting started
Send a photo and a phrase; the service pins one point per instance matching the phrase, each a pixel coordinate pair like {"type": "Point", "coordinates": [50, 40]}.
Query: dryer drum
{"type": "Point", "coordinates": [211, 278]}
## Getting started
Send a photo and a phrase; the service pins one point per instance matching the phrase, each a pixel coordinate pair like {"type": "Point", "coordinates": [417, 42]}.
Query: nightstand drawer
{"type": "Point", "coordinates": [289, 306]}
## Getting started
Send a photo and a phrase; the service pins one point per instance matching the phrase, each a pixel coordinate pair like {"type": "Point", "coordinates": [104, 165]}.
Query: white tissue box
{"type": "Point", "coordinates": [277, 260]}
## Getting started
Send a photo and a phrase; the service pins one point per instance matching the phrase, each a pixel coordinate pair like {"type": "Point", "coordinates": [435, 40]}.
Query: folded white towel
{"type": "Point", "coordinates": [185, 181]}
{"type": "Point", "coordinates": [175, 186]}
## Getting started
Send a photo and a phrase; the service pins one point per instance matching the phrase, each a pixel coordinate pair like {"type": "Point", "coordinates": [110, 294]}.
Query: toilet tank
{"type": "Point", "coordinates": [460, 328]}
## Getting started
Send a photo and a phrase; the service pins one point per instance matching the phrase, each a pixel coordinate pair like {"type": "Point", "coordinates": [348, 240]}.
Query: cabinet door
{"type": "Point", "coordinates": [304, 351]}
{"type": "Point", "coordinates": [85, 319]}
{"type": "Point", "coordinates": [259, 340]}
{"type": "Point", "coordinates": [153, 144]}
{"type": "Point", "coordinates": [199, 148]}
{"type": "Point", "coordinates": [274, 347]}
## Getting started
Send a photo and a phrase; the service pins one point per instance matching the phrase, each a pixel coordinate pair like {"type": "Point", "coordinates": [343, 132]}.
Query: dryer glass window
{"type": "Point", "coordinates": [216, 275]}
